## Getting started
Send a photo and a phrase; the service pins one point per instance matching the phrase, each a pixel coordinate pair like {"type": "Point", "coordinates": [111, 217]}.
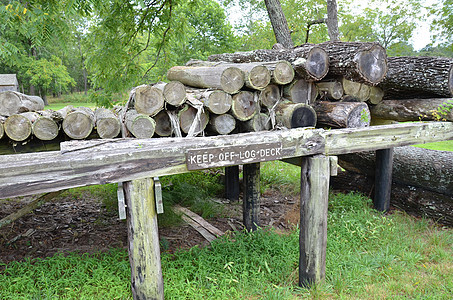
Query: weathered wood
{"type": "Point", "coordinates": [79, 123]}
{"type": "Point", "coordinates": [412, 109]}
{"type": "Point", "coordinates": [221, 124]}
{"type": "Point", "coordinates": [356, 90]}
{"type": "Point", "coordinates": [107, 123]}
{"type": "Point", "coordinates": [294, 115]}
{"type": "Point", "coordinates": [251, 201]}
{"type": "Point", "coordinates": [300, 91]}
{"type": "Point", "coordinates": [216, 101]}
{"type": "Point", "coordinates": [213, 230]}
{"type": "Point", "coordinates": [190, 117]}
{"type": "Point", "coordinates": [315, 176]}
{"type": "Point", "coordinates": [383, 182]}
{"type": "Point", "coordinates": [232, 187]}
{"type": "Point", "coordinates": [2, 130]}
{"type": "Point", "coordinates": [47, 126]}
{"type": "Point", "coordinates": [330, 89]}
{"type": "Point", "coordinates": [14, 103]}
{"type": "Point", "coordinates": [163, 124]}
{"type": "Point", "coordinates": [259, 122]}
{"type": "Point", "coordinates": [342, 114]}
{"type": "Point", "coordinates": [143, 241]}
{"type": "Point", "coordinates": [82, 163]}
{"type": "Point", "coordinates": [282, 72]}
{"type": "Point", "coordinates": [18, 127]}
{"type": "Point", "coordinates": [418, 77]}
{"type": "Point", "coordinates": [148, 100]}
{"type": "Point", "coordinates": [224, 77]}
{"type": "Point", "coordinates": [139, 125]}
{"type": "Point", "coordinates": [245, 105]}
{"type": "Point", "coordinates": [33, 145]}
{"type": "Point", "coordinates": [270, 96]}
{"type": "Point", "coordinates": [361, 62]}
{"type": "Point", "coordinates": [174, 92]}
{"type": "Point", "coordinates": [309, 61]}
{"type": "Point", "coordinates": [376, 95]}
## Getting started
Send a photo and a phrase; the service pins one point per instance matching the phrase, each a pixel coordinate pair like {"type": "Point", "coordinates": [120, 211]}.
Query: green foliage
{"type": "Point", "coordinates": [443, 22]}
{"type": "Point", "coordinates": [280, 176]}
{"type": "Point", "coordinates": [441, 112]}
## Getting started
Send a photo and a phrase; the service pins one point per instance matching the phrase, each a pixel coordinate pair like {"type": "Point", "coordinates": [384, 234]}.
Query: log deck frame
{"type": "Point", "coordinates": [136, 161]}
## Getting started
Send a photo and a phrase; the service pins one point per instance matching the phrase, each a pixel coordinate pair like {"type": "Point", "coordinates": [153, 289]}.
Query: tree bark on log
{"type": "Point", "coordinates": [361, 62]}
{"type": "Point", "coordinates": [245, 105]}
{"type": "Point", "coordinates": [411, 109]}
{"type": "Point", "coordinates": [18, 127]}
{"type": "Point", "coordinates": [79, 123]}
{"type": "Point", "coordinates": [216, 101]}
{"type": "Point", "coordinates": [342, 114]}
{"type": "Point", "coordinates": [108, 124]}
{"type": "Point", "coordinates": [309, 61]}
{"type": "Point", "coordinates": [330, 89]}
{"type": "Point", "coordinates": [418, 77]}
{"type": "Point", "coordinates": [147, 100]}
{"type": "Point", "coordinates": [139, 125]}
{"type": "Point", "coordinates": [189, 120]}
{"type": "Point", "coordinates": [174, 92]}
{"type": "Point", "coordinates": [224, 77]}
{"type": "Point", "coordinates": [295, 115]}
{"type": "Point", "coordinates": [429, 169]}
{"type": "Point", "coordinates": [14, 103]}
{"type": "Point", "coordinates": [279, 23]}
{"type": "Point", "coordinates": [2, 129]}
{"type": "Point", "coordinates": [221, 124]}
{"type": "Point", "coordinates": [300, 91]}
{"type": "Point", "coordinates": [413, 200]}
{"type": "Point", "coordinates": [259, 122]}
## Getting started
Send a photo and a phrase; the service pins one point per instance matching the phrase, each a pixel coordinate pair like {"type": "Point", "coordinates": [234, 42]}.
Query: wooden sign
{"type": "Point", "coordinates": [233, 155]}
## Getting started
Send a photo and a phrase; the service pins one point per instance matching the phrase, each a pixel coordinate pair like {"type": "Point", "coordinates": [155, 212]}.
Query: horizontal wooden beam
{"type": "Point", "coordinates": [82, 163]}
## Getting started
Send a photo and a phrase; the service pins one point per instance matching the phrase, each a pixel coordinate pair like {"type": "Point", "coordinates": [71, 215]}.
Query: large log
{"type": "Point", "coordinates": [14, 103]}
{"type": "Point", "coordinates": [174, 92]}
{"type": "Point", "coordinates": [224, 77]}
{"type": "Point", "coordinates": [342, 114]}
{"type": "Point", "coordinates": [429, 169]}
{"type": "Point", "coordinates": [295, 115]}
{"type": "Point", "coordinates": [300, 91]}
{"type": "Point", "coordinates": [147, 99]}
{"type": "Point", "coordinates": [216, 101]}
{"type": "Point", "coordinates": [108, 125]}
{"type": "Point", "coordinates": [418, 77]}
{"type": "Point", "coordinates": [361, 62]}
{"type": "Point", "coordinates": [413, 109]}
{"type": "Point", "coordinates": [139, 125]}
{"type": "Point", "coordinates": [79, 123]}
{"type": "Point", "coordinates": [18, 127]}
{"type": "Point", "coordinates": [47, 126]}
{"type": "Point", "coordinates": [309, 61]}
{"type": "Point", "coordinates": [192, 121]}
{"type": "Point", "coordinates": [245, 105]}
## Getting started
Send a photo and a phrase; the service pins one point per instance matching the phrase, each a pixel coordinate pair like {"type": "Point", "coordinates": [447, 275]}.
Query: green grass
{"type": "Point", "coordinates": [442, 146]}
{"type": "Point", "coordinates": [281, 176]}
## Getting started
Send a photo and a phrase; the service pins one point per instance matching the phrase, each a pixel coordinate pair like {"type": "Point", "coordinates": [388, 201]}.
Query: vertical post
{"type": "Point", "coordinates": [315, 176]}
{"type": "Point", "coordinates": [144, 251]}
{"type": "Point", "coordinates": [232, 183]}
{"type": "Point", "coordinates": [383, 179]}
{"type": "Point", "coordinates": [251, 202]}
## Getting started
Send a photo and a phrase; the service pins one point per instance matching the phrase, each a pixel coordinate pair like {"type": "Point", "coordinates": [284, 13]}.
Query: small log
{"type": "Point", "coordinates": [222, 124]}
{"type": "Point", "coordinates": [356, 90]}
{"type": "Point", "coordinates": [163, 124]}
{"type": "Point", "coordinates": [270, 96]}
{"type": "Point", "coordinates": [46, 127]}
{"type": "Point", "coordinates": [107, 123]}
{"type": "Point", "coordinates": [330, 89]}
{"type": "Point", "coordinates": [282, 72]}
{"type": "Point", "coordinates": [139, 125]}
{"type": "Point", "coordinates": [224, 77]}
{"type": "Point", "coordinates": [14, 103]}
{"type": "Point", "coordinates": [376, 95]}
{"type": "Point", "coordinates": [300, 91]}
{"type": "Point", "coordinates": [259, 122]}
{"type": "Point", "coordinates": [148, 100]}
{"type": "Point", "coordinates": [245, 105]}
{"type": "Point", "coordinates": [342, 114]}
{"type": "Point", "coordinates": [413, 109]}
{"type": "Point", "coordinates": [251, 201]}
{"type": "Point", "coordinates": [174, 92]}
{"type": "Point", "coordinates": [18, 127]}
{"type": "Point", "coordinates": [216, 101]}
{"type": "Point", "coordinates": [295, 115]}
{"type": "Point", "coordinates": [79, 123]}
{"type": "Point", "coordinates": [189, 117]}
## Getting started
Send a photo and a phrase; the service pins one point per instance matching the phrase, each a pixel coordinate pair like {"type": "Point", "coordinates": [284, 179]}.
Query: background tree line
{"type": "Point", "coordinates": [103, 47]}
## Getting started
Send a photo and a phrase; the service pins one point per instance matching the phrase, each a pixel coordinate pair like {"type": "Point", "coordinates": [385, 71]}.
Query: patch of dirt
{"type": "Point", "coordinates": [84, 225]}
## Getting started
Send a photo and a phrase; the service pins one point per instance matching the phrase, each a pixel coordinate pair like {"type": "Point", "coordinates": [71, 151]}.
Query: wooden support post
{"type": "Point", "coordinates": [251, 201]}
{"type": "Point", "coordinates": [315, 175]}
{"type": "Point", "coordinates": [383, 179]}
{"type": "Point", "coordinates": [144, 252]}
{"type": "Point", "coordinates": [232, 183]}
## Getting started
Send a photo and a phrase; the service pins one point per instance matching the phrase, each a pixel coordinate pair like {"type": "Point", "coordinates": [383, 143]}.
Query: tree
{"type": "Point", "coordinates": [443, 22]}
{"type": "Point", "coordinates": [279, 24]}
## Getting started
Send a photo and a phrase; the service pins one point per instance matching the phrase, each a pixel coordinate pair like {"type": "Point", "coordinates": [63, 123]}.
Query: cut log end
{"type": "Point", "coordinates": [79, 123]}
{"type": "Point", "coordinates": [258, 78]}
{"type": "Point", "coordinates": [174, 93]}
{"type": "Point", "coordinates": [303, 116]}
{"type": "Point", "coordinates": [149, 100]}
{"type": "Point", "coordinates": [259, 122]}
{"type": "Point", "coordinates": [45, 128]}
{"type": "Point", "coordinates": [283, 73]}
{"type": "Point", "coordinates": [317, 64]}
{"type": "Point", "coordinates": [188, 116]}
{"type": "Point", "coordinates": [163, 124]}
{"type": "Point", "coordinates": [18, 128]}
{"type": "Point", "coordinates": [232, 80]}
{"type": "Point", "coordinates": [9, 103]}
{"type": "Point", "coordinates": [108, 128]}
{"type": "Point", "coordinates": [142, 127]}
{"type": "Point", "coordinates": [219, 102]}
{"type": "Point", "coordinates": [301, 91]}
{"type": "Point", "coordinates": [222, 124]}
{"type": "Point", "coordinates": [372, 64]}
{"type": "Point", "coordinates": [270, 95]}
{"type": "Point", "coordinates": [244, 105]}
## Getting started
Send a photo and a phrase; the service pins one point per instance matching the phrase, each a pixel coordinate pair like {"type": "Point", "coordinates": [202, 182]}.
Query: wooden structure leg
{"type": "Point", "coordinates": [315, 176]}
{"type": "Point", "coordinates": [251, 202]}
{"type": "Point", "coordinates": [144, 251]}
{"type": "Point", "coordinates": [232, 183]}
{"type": "Point", "coordinates": [383, 179]}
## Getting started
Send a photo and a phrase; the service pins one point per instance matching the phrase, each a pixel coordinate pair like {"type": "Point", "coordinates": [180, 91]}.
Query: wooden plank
{"type": "Point", "coordinates": [199, 220]}
{"type": "Point", "coordinates": [383, 179]}
{"type": "Point", "coordinates": [251, 201]}
{"type": "Point", "coordinates": [315, 175]}
{"type": "Point", "coordinates": [144, 251]}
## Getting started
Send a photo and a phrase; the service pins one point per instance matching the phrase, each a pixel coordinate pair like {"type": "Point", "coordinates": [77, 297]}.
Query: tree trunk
{"type": "Point", "coordinates": [270, 96]}
{"type": "Point", "coordinates": [332, 21]}
{"type": "Point", "coordinates": [174, 92]}
{"type": "Point", "coordinates": [330, 89]}
{"type": "Point", "coordinates": [411, 109]}
{"type": "Point", "coordinates": [429, 169]}
{"type": "Point", "coordinates": [361, 62]}
{"type": "Point", "coordinates": [14, 102]}
{"type": "Point", "coordinates": [79, 123]}
{"type": "Point", "coordinates": [259, 122]}
{"type": "Point", "coordinates": [279, 24]}
{"type": "Point", "coordinates": [300, 91]}
{"type": "Point", "coordinates": [342, 114]}
{"type": "Point", "coordinates": [139, 125]}
{"type": "Point", "coordinates": [295, 115]}
{"type": "Point", "coordinates": [245, 105]}
{"type": "Point", "coordinates": [418, 77]}
{"type": "Point", "coordinates": [216, 101]}
{"type": "Point", "coordinates": [309, 61]}
{"type": "Point", "coordinates": [148, 100]}
{"type": "Point", "coordinates": [18, 127]}
{"type": "Point", "coordinates": [163, 124]}
{"type": "Point", "coordinates": [224, 77]}
{"type": "Point", "coordinates": [107, 123]}
{"type": "Point", "coordinates": [191, 120]}
{"type": "Point", "coordinates": [221, 124]}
